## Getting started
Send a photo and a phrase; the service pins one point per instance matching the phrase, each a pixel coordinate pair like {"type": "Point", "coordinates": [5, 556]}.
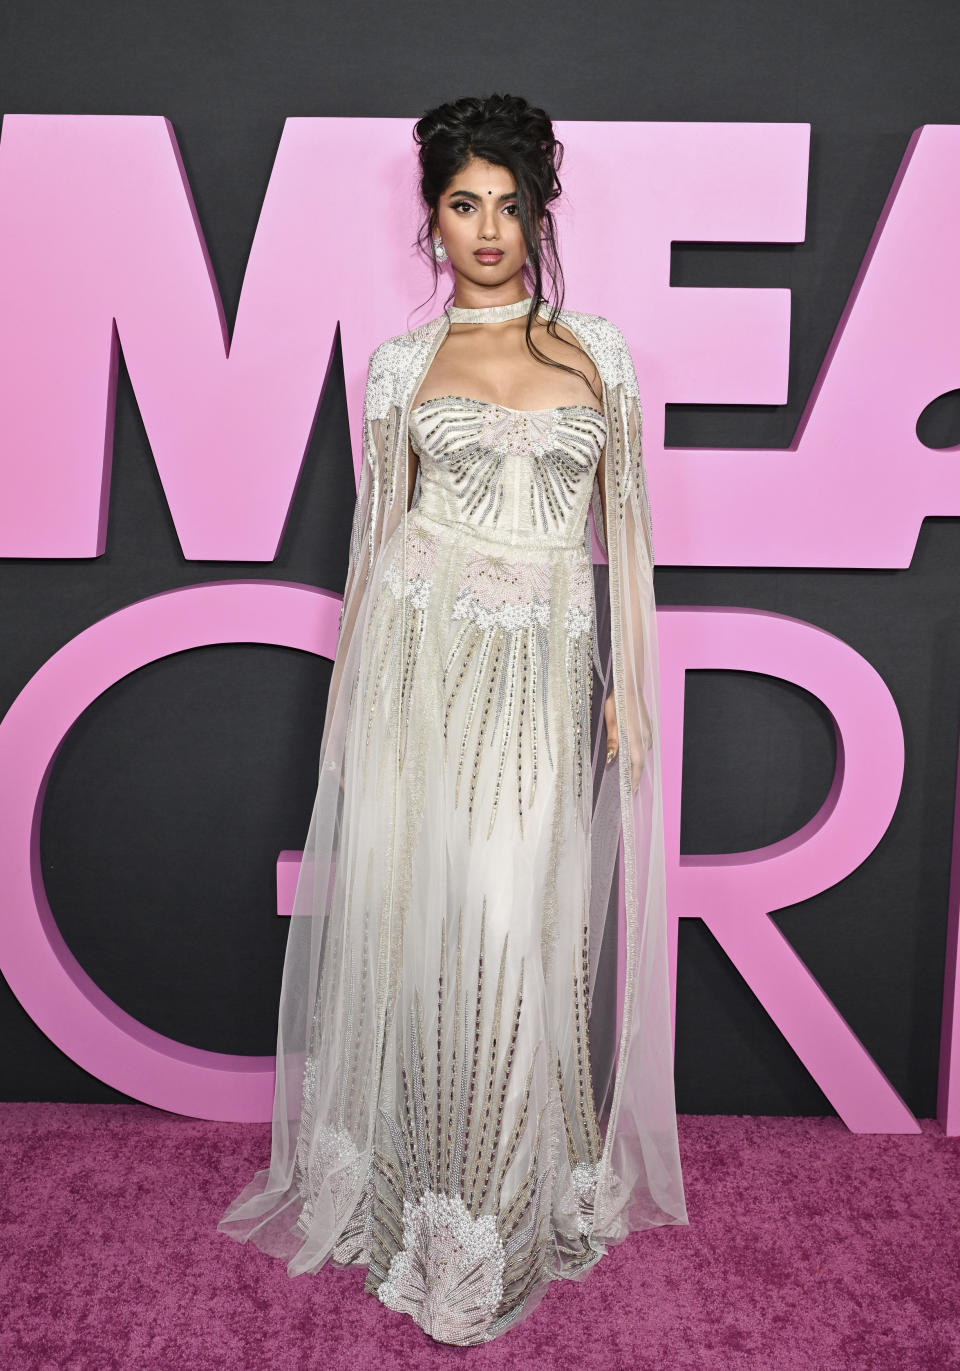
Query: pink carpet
{"type": "Point", "coordinates": [808, 1247]}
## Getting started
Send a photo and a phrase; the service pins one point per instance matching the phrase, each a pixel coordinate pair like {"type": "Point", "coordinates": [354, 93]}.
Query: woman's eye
{"type": "Point", "coordinates": [461, 204]}
{"type": "Point", "coordinates": [512, 209]}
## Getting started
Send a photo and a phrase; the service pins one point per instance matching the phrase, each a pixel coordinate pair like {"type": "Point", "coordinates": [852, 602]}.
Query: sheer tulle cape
{"type": "Point", "coordinates": [341, 964]}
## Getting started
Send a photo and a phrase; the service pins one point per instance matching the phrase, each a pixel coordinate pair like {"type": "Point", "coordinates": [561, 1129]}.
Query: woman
{"type": "Point", "coordinates": [475, 1082]}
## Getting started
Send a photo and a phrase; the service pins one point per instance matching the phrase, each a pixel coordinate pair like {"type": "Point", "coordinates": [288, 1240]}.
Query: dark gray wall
{"type": "Point", "coordinates": [172, 796]}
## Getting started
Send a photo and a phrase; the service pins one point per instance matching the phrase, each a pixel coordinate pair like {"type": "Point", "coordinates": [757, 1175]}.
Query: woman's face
{"type": "Point", "coordinates": [478, 221]}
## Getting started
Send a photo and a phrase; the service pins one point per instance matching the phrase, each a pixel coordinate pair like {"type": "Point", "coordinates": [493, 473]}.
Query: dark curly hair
{"type": "Point", "coordinates": [505, 130]}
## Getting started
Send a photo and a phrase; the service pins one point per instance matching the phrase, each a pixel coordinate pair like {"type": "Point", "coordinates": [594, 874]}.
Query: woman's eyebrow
{"type": "Point", "coordinates": [472, 194]}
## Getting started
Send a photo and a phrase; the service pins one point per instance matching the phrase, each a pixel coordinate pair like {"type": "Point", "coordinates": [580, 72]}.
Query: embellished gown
{"type": "Point", "coordinates": [445, 1127]}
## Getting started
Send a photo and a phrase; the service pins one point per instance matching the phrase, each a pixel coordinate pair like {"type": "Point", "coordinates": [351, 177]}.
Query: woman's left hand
{"type": "Point", "coordinates": [638, 737]}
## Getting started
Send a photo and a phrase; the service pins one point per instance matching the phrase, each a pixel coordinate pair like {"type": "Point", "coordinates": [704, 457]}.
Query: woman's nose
{"type": "Point", "coordinates": [488, 226]}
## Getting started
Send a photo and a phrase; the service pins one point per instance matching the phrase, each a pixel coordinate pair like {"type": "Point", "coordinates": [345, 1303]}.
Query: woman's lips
{"type": "Point", "coordinates": [488, 256]}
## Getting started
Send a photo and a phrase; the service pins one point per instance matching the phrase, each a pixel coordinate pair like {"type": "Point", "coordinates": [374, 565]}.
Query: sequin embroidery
{"type": "Point", "coordinates": [447, 1235]}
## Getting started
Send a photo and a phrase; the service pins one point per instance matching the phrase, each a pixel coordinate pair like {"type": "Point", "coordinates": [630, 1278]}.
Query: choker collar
{"type": "Point", "coordinates": [490, 314]}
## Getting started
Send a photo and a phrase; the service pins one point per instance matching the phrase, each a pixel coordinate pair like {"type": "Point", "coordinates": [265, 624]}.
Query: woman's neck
{"type": "Point", "coordinates": [471, 295]}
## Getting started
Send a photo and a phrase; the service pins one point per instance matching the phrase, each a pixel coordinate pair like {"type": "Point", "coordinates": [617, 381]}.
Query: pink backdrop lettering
{"type": "Point", "coordinates": [100, 246]}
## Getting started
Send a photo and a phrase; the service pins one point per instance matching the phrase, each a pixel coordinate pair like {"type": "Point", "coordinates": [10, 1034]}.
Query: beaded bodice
{"type": "Point", "coordinates": [520, 477]}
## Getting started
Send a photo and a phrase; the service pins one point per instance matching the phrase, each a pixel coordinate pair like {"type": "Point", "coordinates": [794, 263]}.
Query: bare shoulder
{"type": "Point", "coordinates": [571, 352]}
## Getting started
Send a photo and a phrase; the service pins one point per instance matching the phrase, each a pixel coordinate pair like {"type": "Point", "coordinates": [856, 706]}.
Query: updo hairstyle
{"type": "Point", "coordinates": [505, 130]}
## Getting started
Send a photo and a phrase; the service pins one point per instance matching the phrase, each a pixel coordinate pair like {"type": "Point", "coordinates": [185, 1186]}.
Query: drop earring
{"type": "Point", "coordinates": [439, 251]}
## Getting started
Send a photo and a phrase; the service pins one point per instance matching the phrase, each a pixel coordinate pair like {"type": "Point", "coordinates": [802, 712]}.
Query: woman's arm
{"type": "Point", "coordinates": [637, 723]}
{"type": "Point", "coordinates": [413, 461]}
